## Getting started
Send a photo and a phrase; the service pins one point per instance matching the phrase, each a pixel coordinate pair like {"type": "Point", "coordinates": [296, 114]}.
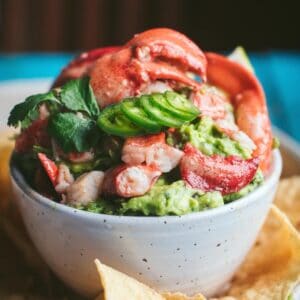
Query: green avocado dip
{"type": "Point", "coordinates": [169, 199]}
{"type": "Point", "coordinates": [204, 135]}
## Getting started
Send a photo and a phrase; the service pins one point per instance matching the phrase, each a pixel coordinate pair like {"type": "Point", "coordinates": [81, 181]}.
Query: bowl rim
{"type": "Point", "coordinates": [273, 176]}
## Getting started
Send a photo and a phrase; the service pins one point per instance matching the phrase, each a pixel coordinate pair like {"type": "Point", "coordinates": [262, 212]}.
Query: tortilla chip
{"type": "Point", "coordinates": [288, 199]}
{"type": "Point", "coordinates": [179, 296]}
{"type": "Point", "coordinates": [117, 285]}
{"type": "Point", "coordinates": [6, 147]}
{"type": "Point", "coordinates": [272, 268]}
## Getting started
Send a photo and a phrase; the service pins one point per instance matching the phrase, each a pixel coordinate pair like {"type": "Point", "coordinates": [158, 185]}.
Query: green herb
{"type": "Point", "coordinates": [79, 168]}
{"type": "Point", "coordinates": [28, 111]}
{"type": "Point", "coordinates": [77, 95]}
{"type": "Point", "coordinates": [39, 149]}
{"type": "Point", "coordinates": [73, 132]}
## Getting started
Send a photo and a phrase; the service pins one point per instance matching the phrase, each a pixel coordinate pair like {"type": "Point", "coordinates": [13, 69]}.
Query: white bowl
{"type": "Point", "coordinates": [190, 253]}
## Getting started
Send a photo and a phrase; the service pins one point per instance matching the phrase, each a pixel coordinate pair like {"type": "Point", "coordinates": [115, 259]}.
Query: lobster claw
{"type": "Point", "coordinates": [247, 96]}
{"type": "Point", "coordinates": [80, 66]}
{"type": "Point", "coordinates": [170, 45]}
{"type": "Point", "coordinates": [157, 54]}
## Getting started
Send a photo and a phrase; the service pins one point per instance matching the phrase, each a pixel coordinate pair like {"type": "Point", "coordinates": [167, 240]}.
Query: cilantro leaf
{"type": "Point", "coordinates": [27, 111]}
{"type": "Point", "coordinates": [73, 132]}
{"type": "Point", "coordinates": [77, 95]}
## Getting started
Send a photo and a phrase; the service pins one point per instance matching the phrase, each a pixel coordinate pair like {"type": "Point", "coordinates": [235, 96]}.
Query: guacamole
{"type": "Point", "coordinates": [204, 135]}
{"type": "Point", "coordinates": [169, 199]}
{"type": "Point", "coordinates": [163, 199]}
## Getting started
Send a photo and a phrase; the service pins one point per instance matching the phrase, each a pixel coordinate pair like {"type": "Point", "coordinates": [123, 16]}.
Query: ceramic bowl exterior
{"type": "Point", "coordinates": [198, 252]}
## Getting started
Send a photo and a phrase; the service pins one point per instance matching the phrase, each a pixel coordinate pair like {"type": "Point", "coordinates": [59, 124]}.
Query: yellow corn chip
{"type": "Point", "coordinates": [117, 286]}
{"type": "Point", "coordinates": [272, 268]}
{"type": "Point", "coordinates": [6, 147]}
{"type": "Point", "coordinates": [179, 296]}
{"type": "Point", "coordinates": [288, 199]}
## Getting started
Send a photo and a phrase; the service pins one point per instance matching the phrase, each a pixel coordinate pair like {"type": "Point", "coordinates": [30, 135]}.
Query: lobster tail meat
{"type": "Point", "coordinates": [129, 181]}
{"type": "Point", "coordinates": [248, 100]}
{"type": "Point", "coordinates": [216, 173]}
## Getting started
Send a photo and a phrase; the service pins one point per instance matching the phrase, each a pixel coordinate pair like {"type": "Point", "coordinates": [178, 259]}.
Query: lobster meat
{"type": "Point", "coordinates": [81, 65]}
{"type": "Point", "coordinates": [86, 188]}
{"type": "Point", "coordinates": [50, 167]}
{"type": "Point", "coordinates": [129, 181]}
{"type": "Point", "coordinates": [157, 54]}
{"type": "Point", "coordinates": [216, 173]}
{"type": "Point", "coordinates": [153, 151]}
{"type": "Point", "coordinates": [248, 99]}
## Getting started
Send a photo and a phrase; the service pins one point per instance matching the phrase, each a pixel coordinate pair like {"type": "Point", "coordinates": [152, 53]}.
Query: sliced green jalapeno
{"type": "Point", "coordinates": [162, 102]}
{"type": "Point", "coordinates": [161, 116]}
{"type": "Point", "coordinates": [181, 103]}
{"type": "Point", "coordinates": [133, 111]}
{"type": "Point", "coordinates": [113, 121]}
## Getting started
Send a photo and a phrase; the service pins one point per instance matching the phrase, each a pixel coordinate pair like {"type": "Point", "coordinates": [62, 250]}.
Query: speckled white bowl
{"type": "Point", "coordinates": [191, 253]}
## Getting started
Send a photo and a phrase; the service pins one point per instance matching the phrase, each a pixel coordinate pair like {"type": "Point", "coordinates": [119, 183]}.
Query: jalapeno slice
{"type": "Point", "coordinates": [161, 116]}
{"type": "Point", "coordinates": [181, 103]}
{"type": "Point", "coordinates": [113, 121]}
{"type": "Point", "coordinates": [162, 102]}
{"type": "Point", "coordinates": [135, 113]}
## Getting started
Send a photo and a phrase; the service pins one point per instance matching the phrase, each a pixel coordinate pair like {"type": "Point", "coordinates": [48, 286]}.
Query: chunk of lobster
{"type": "Point", "coordinates": [129, 181]}
{"type": "Point", "coordinates": [151, 150]}
{"type": "Point", "coordinates": [167, 55]}
{"type": "Point", "coordinates": [86, 188]}
{"type": "Point", "coordinates": [81, 65]}
{"type": "Point", "coordinates": [216, 173]}
{"type": "Point", "coordinates": [165, 43]}
{"type": "Point", "coordinates": [49, 167]}
{"type": "Point", "coordinates": [248, 99]}
{"type": "Point", "coordinates": [210, 103]}
{"type": "Point", "coordinates": [64, 178]}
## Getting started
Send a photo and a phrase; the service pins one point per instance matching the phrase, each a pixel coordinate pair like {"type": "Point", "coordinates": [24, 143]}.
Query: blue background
{"type": "Point", "coordinates": [279, 73]}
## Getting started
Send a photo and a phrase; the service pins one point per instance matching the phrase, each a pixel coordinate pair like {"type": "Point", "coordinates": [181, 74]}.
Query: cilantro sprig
{"type": "Point", "coordinates": [73, 114]}
{"type": "Point", "coordinates": [26, 112]}
{"type": "Point", "coordinates": [77, 95]}
{"type": "Point", "coordinates": [72, 132]}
